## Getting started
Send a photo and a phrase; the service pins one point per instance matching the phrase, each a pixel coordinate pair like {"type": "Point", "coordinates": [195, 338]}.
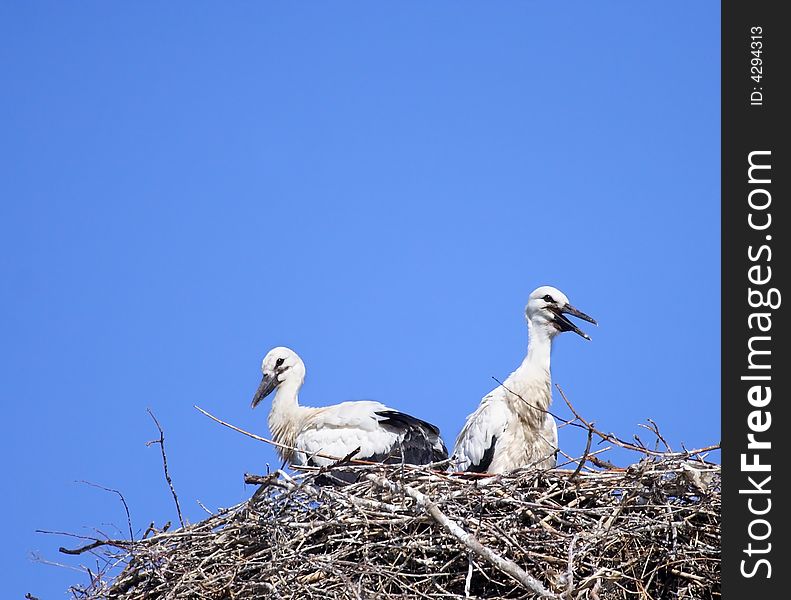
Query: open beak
{"type": "Point", "coordinates": [565, 325]}
{"type": "Point", "coordinates": [268, 384]}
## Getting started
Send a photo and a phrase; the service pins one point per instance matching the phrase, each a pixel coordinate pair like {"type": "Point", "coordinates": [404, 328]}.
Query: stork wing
{"type": "Point", "coordinates": [477, 441]}
{"type": "Point", "coordinates": [550, 433]}
{"type": "Point", "coordinates": [419, 440]}
{"type": "Point", "coordinates": [381, 434]}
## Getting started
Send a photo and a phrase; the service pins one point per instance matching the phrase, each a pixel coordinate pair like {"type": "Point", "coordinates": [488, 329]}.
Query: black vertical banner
{"type": "Point", "coordinates": [755, 265]}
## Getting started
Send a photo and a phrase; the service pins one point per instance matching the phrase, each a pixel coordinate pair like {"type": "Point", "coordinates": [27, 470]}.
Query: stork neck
{"type": "Point", "coordinates": [539, 349]}
{"type": "Point", "coordinates": [286, 401]}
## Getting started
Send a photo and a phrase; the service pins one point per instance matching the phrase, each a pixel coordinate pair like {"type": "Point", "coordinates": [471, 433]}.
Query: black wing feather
{"type": "Point", "coordinates": [421, 443]}
{"type": "Point", "coordinates": [486, 459]}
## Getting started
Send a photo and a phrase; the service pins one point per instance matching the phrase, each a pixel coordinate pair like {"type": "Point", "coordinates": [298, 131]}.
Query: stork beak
{"type": "Point", "coordinates": [268, 383]}
{"type": "Point", "coordinates": [566, 325]}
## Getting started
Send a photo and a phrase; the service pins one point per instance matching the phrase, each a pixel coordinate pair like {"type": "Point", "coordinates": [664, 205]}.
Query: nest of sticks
{"type": "Point", "coordinates": [649, 531]}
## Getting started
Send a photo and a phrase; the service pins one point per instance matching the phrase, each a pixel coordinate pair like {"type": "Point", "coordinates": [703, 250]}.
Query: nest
{"type": "Point", "coordinates": [649, 531]}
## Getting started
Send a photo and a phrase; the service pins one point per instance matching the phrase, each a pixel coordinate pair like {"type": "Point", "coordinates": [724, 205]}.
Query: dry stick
{"type": "Point", "coordinates": [122, 544]}
{"type": "Point", "coordinates": [607, 436]}
{"type": "Point", "coordinates": [601, 463]}
{"type": "Point", "coordinates": [161, 442]}
{"type": "Point", "coordinates": [91, 546]}
{"type": "Point", "coordinates": [589, 457]}
{"type": "Point", "coordinates": [538, 408]}
{"type": "Point", "coordinates": [570, 568]}
{"type": "Point", "coordinates": [258, 437]}
{"type": "Point", "coordinates": [506, 566]}
{"type": "Point", "coordinates": [655, 429]}
{"type": "Point", "coordinates": [619, 442]}
{"type": "Point", "coordinates": [584, 455]}
{"type": "Point", "coordinates": [123, 501]}
{"type": "Point", "coordinates": [67, 534]}
{"type": "Point", "coordinates": [564, 423]}
{"type": "Point", "coordinates": [559, 418]}
{"type": "Point", "coordinates": [353, 461]}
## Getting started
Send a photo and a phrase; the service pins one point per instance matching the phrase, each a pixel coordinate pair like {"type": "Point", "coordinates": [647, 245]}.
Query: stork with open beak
{"type": "Point", "coordinates": [512, 428]}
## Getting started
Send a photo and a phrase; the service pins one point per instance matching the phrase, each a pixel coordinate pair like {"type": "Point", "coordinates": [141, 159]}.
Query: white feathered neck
{"type": "Point", "coordinates": [286, 417]}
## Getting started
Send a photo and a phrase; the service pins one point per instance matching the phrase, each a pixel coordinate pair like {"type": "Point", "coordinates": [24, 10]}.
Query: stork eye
{"type": "Point", "coordinates": [547, 298]}
{"type": "Point", "coordinates": [279, 362]}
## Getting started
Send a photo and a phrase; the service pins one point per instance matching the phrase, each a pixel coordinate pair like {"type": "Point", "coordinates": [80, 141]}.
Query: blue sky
{"type": "Point", "coordinates": [376, 185]}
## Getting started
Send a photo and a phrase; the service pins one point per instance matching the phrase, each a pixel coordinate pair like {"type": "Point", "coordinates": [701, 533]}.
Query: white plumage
{"type": "Point", "coordinates": [512, 428]}
{"type": "Point", "coordinates": [381, 433]}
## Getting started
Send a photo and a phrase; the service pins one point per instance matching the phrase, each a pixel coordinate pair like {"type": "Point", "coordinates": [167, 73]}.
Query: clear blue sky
{"type": "Point", "coordinates": [378, 186]}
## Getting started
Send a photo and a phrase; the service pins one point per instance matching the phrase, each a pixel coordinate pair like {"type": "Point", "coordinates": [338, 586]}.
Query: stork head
{"type": "Point", "coordinates": [547, 308]}
{"type": "Point", "coordinates": [279, 366]}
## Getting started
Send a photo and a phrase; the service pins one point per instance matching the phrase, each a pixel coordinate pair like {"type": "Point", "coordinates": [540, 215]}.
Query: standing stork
{"type": "Point", "coordinates": [381, 433]}
{"type": "Point", "coordinates": [512, 427]}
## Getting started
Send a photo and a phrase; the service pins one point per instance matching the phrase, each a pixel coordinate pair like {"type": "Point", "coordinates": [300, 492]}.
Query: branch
{"type": "Point", "coordinates": [161, 442]}
{"type": "Point", "coordinates": [506, 566]}
{"type": "Point", "coordinates": [121, 544]}
{"type": "Point", "coordinates": [91, 546]}
{"type": "Point", "coordinates": [609, 437]}
{"type": "Point", "coordinates": [570, 568]}
{"type": "Point", "coordinates": [254, 436]}
{"type": "Point", "coordinates": [123, 501]}
{"type": "Point", "coordinates": [584, 455]}
{"type": "Point", "coordinates": [538, 408]}
{"type": "Point", "coordinates": [353, 461]}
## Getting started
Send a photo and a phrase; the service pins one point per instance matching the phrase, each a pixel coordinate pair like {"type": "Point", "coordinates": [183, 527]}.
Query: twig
{"type": "Point", "coordinates": [123, 501]}
{"type": "Point", "coordinates": [352, 461]}
{"type": "Point", "coordinates": [161, 442]}
{"type": "Point", "coordinates": [538, 408]}
{"type": "Point", "coordinates": [655, 430]}
{"type": "Point", "coordinates": [258, 437]}
{"type": "Point", "coordinates": [619, 442]}
{"type": "Point", "coordinates": [601, 463]}
{"type": "Point", "coordinates": [468, 578]}
{"type": "Point", "coordinates": [584, 455]}
{"type": "Point", "coordinates": [570, 567]}
{"type": "Point", "coordinates": [91, 546]}
{"type": "Point", "coordinates": [35, 557]}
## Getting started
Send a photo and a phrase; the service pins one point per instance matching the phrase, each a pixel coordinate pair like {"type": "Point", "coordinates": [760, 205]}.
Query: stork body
{"type": "Point", "coordinates": [381, 433]}
{"type": "Point", "coordinates": [512, 428]}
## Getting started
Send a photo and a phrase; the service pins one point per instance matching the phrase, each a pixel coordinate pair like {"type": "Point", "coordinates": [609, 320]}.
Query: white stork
{"type": "Point", "coordinates": [512, 427]}
{"type": "Point", "coordinates": [381, 433]}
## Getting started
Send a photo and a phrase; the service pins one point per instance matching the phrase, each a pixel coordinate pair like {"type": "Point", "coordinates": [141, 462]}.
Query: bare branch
{"type": "Point", "coordinates": [161, 442]}
{"type": "Point", "coordinates": [538, 408]}
{"type": "Point", "coordinates": [353, 461]}
{"type": "Point", "coordinates": [609, 437]}
{"type": "Point", "coordinates": [584, 455]}
{"type": "Point", "coordinates": [123, 501]}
